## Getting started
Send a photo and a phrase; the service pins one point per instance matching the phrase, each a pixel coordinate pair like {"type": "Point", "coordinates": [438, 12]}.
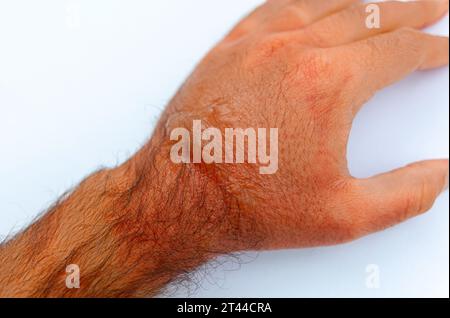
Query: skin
{"type": "Point", "coordinates": [303, 66]}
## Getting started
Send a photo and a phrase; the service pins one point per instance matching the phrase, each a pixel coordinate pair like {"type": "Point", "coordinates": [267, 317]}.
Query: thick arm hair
{"type": "Point", "coordinates": [131, 230]}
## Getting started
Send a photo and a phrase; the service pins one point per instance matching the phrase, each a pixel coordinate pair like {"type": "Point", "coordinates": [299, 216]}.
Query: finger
{"type": "Point", "coordinates": [256, 18]}
{"type": "Point", "coordinates": [379, 61]}
{"type": "Point", "coordinates": [350, 25]}
{"type": "Point", "coordinates": [300, 13]}
{"type": "Point", "coordinates": [394, 197]}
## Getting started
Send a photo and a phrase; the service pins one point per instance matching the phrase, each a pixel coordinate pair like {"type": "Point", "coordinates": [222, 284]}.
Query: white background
{"type": "Point", "coordinates": [82, 83]}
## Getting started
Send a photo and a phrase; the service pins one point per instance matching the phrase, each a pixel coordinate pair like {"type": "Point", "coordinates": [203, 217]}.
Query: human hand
{"type": "Point", "coordinates": [306, 67]}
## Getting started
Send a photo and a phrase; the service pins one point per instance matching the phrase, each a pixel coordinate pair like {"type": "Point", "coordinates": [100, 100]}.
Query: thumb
{"type": "Point", "coordinates": [393, 197]}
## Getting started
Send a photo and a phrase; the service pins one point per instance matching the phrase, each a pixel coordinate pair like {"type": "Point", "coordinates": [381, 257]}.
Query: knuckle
{"type": "Point", "coordinates": [411, 37]}
{"type": "Point", "coordinates": [323, 33]}
{"type": "Point", "coordinates": [293, 13]}
{"type": "Point", "coordinates": [315, 65]}
{"type": "Point", "coordinates": [316, 36]}
{"type": "Point", "coordinates": [348, 71]}
{"type": "Point", "coordinates": [264, 50]}
{"type": "Point", "coordinates": [408, 206]}
{"type": "Point", "coordinates": [271, 45]}
{"type": "Point", "coordinates": [326, 72]}
{"type": "Point", "coordinates": [327, 83]}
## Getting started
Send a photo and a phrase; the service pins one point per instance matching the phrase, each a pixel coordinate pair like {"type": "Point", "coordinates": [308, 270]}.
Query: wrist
{"type": "Point", "coordinates": [176, 214]}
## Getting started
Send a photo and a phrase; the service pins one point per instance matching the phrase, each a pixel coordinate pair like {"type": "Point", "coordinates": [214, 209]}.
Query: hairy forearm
{"type": "Point", "coordinates": [131, 230]}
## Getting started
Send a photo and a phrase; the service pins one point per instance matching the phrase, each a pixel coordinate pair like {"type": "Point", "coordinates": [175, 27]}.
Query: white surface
{"type": "Point", "coordinates": [82, 82]}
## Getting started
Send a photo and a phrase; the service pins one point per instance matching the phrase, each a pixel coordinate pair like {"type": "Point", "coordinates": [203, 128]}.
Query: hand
{"type": "Point", "coordinates": [303, 66]}
{"type": "Point", "coordinates": [306, 67]}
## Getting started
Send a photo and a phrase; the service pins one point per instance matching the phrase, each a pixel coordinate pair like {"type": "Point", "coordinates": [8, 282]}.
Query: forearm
{"type": "Point", "coordinates": [131, 230]}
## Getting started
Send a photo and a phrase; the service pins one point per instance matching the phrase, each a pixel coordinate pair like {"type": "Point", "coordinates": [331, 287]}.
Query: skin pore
{"type": "Point", "coordinates": [305, 67]}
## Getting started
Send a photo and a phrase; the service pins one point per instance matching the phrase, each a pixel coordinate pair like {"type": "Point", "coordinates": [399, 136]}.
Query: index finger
{"type": "Point", "coordinates": [382, 60]}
